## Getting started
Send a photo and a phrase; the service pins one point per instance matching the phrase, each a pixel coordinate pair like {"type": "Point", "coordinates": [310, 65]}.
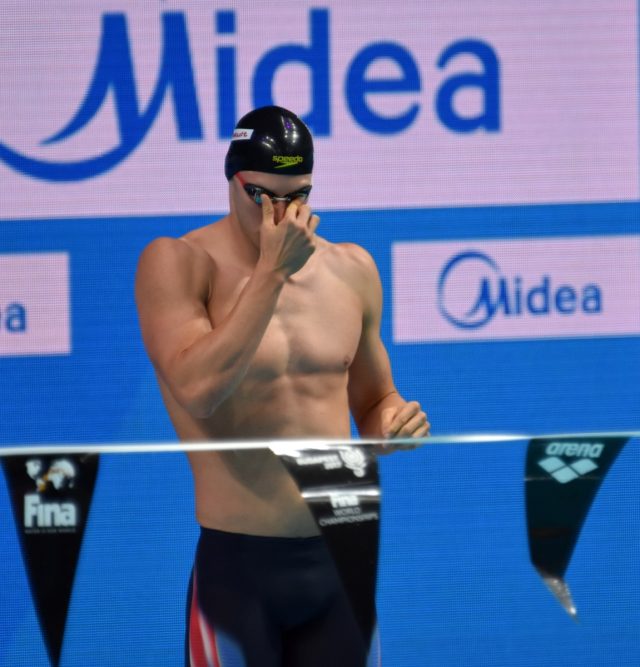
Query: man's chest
{"type": "Point", "coordinates": [315, 327]}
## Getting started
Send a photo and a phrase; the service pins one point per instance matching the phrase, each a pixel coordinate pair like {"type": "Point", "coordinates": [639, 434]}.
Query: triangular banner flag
{"type": "Point", "coordinates": [562, 478]}
{"type": "Point", "coordinates": [51, 497]}
{"type": "Point", "coordinates": [342, 489]}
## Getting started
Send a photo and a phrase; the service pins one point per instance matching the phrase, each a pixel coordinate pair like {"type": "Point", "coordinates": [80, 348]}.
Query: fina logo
{"type": "Point", "coordinates": [472, 291]}
{"type": "Point", "coordinates": [60, 476]}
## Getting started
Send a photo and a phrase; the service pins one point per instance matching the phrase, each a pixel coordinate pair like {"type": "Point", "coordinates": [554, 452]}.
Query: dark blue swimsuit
{"type": "Point", "coordinates": [270, 602]}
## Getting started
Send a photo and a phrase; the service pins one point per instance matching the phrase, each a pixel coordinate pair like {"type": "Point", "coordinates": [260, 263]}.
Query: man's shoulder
{"type": "Point", "coordinates": [165, 251]}
{"type": "Point", "coordinates": [191, 246]}
{"type": "Point", "coordinates": [165, 258]}
{"type": "Point", "coordinates": [350, 257]}
{"type": "Point", "coordinates": [356, 268]}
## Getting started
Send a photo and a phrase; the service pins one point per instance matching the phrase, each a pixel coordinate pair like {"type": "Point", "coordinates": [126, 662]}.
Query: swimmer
{"type": "Point", "coordinates": [258, 328]}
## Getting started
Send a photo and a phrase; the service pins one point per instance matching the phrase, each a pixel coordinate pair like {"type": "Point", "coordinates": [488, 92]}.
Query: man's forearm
{"type": "Point", "coordinates": [370, 423]}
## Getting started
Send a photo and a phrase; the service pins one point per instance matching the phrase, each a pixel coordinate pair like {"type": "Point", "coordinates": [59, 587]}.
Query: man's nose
{"type": "Point", "coordinates": [279, 209]}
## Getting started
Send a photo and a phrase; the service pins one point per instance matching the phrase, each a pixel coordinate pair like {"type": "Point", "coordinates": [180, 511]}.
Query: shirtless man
{"type": "Point", "coordinates": [260, 329]}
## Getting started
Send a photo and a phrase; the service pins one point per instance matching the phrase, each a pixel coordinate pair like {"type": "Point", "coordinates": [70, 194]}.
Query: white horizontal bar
{"type": "Point", "coordinates": [292, 445]}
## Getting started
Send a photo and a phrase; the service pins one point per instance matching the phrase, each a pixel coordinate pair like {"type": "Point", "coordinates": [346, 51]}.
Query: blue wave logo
{"type": "Point", "coordinates": [472, 291]}
{"type": "Point", "coordinates": [114, 74]}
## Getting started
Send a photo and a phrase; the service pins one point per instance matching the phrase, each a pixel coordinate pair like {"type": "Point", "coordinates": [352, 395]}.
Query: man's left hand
{"type": "Point", "coordinates": [404, 421]}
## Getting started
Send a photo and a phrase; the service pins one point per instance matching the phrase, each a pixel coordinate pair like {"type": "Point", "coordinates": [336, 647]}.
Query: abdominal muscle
{"type": "Point", "coordinates": [251, 492]}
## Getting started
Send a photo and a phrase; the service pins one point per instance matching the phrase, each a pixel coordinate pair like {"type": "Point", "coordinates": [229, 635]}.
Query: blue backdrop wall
{"type": "Point", "coordinates": [488, 160]}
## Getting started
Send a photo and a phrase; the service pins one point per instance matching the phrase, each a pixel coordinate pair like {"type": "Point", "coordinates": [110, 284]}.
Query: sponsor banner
{"type": "Point", "coordinates": [342, 488]}
{"type": "Point", "coordinates": [418, 105]}
{"type": "Point", "coordinates": [51, 497]}
{"type": "Point", "coordinates": [562, 478]}
{"type": "Point", "coordinates": [34, 304]}
{"type": "Point", "coordinates": [524, 289]}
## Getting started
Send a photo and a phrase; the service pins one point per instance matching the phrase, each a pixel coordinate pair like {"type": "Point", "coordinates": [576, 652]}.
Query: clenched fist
{"type": "Point", "coordinates": [404, 422]}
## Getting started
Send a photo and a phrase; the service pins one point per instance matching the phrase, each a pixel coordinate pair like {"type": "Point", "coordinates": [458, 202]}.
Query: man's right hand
{"type": "Point", "coordinates": [286, 246]}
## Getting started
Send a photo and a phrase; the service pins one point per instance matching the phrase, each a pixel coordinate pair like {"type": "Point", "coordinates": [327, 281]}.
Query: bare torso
{"type": "Point", "coordinates": [296, 386]}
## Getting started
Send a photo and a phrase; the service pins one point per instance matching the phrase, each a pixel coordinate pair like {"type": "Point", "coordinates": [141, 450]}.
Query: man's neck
{"type": "Point", "coordinates": [246, 249]}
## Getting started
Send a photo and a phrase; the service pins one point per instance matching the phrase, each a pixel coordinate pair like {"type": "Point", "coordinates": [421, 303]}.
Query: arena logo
{"type": "Point", "coordinates": [583, 453]}
{"type": "Point", "coordinates": [564, 472]}
{"type": "Point", "coordinates": [114, 77]}
{"type": "Point", "coordinates": [508, 295]}
{"type": "Point", "coordinates": [592, 450]}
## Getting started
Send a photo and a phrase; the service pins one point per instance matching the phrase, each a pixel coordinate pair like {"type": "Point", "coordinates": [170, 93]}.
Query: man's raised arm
{"type": "Point", "coordinates": [200, 364]}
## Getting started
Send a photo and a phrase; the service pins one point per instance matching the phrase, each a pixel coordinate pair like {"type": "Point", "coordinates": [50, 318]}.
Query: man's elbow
{"type": "Point", "coordinates": [197, 397]}
{"type": "Point", "coordinates": [198, 404]}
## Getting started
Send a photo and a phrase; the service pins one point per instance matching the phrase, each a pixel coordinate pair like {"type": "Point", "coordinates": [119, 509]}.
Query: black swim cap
{"type": "Point", "coordinates": [270, 139]}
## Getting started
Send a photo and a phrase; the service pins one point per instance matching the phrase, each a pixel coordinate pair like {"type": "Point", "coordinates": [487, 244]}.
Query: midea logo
{"type": "Point", "coordinates": [472, 291]}
{"type": "Point", "coordinates": [114, 78]}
